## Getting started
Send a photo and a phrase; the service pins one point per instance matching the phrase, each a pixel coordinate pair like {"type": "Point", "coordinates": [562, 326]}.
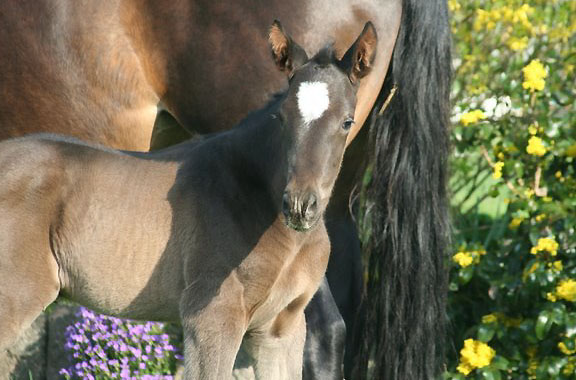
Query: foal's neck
{"type": "Point", "coordinates": [260, 145]}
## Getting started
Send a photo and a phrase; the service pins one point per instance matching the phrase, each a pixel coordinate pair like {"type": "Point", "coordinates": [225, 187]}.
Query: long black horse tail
{"type": "Point", "coordinates": [406, 288]}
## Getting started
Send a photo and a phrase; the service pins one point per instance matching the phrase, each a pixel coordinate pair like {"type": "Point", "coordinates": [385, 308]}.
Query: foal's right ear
{"type": "Point", "coordinates": [288, 55]}
{"type": "Point", "coordinates": [358, 60]}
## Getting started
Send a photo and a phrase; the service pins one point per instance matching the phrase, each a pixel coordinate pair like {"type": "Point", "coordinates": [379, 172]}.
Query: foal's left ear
{"type": "Point", "coordinates": [357, 61]}
{"type": "Point", "coordinates": [287, 54]}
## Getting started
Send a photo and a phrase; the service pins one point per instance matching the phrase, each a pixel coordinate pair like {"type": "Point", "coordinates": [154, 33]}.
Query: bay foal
{"type": "Point", "coordinates": [225, 236]}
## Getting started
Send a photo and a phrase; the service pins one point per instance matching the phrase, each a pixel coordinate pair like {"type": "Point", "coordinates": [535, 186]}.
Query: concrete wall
{"type": "Point", "coordinates": [39, 353]}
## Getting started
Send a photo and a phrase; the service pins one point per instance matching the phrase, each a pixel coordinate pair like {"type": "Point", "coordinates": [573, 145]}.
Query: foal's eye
{"type": "Point", "coordinates": [348, 123]}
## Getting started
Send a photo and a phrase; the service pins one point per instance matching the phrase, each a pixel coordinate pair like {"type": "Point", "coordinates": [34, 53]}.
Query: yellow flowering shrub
{"type": "Point", "coordinates": [565, 350]}
{"type": "Point", "coordinates": [498, 170]}
{"type": "Point", "coordinates": [534, 74]}
{"type": "Point", "coordinates": [463, 259]}
{"type": "Point", "coordinates": [475, 354]}
{"type": "Point", "coordinates": [535, 146]}
{"type": "Point", "coordinates": [567, 290]}
{"type": "Point", "coordinates": [518, 43]}
{"type": "Point", "coordinates": [472, 117]}
{"type": "Point", "coordinates": [545, 245]}
{"type": "Point", "coordinates": [490, 318]}
{"type": "Point", "coordinates": [513, 189]}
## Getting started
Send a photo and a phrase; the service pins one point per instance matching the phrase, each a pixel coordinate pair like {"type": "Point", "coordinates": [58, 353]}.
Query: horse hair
{"type": "Point", "coordinates": [409, 221]}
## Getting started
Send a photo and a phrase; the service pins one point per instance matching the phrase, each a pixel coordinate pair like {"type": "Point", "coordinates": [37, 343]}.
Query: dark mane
{"type": "Point", "coordinates": [325, 56]}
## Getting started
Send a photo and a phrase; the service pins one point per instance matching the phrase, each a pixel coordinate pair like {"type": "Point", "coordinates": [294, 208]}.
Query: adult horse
{"type": "Point", "coordinates": [232, 242]}
{"type": "Point", "coordinates": [101, 70]}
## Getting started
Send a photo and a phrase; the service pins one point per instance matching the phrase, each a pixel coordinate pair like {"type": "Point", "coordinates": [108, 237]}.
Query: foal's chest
{"type": "Point", "coordinates": [283, 271]}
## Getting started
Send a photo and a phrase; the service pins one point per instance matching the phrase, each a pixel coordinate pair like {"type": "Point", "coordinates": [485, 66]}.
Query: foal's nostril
{"type": "Point", "coordinates": [286, 204]}
{"type": "Point", "coordinates": [310, 207]}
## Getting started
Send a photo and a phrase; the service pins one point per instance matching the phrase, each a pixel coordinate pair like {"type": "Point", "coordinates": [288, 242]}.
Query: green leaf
{"type": "Point", "coordinates": [465, 274]}
{"type": "Point", "coordinates": [543, 324]}
{"type": "Point", "coordinates": [500, 362]}
{"type": "Point", "coordinates": [491, 374]}
{"type": "Point", "coordinates": [558, 313]}
{"type": "Point", "coordinates": [486, 332]}
{"type": "Point", "coordinates": [570, 324]}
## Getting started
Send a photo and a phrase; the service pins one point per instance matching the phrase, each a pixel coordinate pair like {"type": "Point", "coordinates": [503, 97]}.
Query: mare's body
{"type": "Point", "coordinates": [225, 236]}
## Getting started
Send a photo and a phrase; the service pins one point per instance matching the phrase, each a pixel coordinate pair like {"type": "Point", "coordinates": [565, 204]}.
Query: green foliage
{"type": "Point", "coordinates": [513, 277]}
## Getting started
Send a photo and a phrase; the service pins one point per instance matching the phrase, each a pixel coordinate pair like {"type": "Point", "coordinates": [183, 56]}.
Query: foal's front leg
{"type": "Point", "coordinates": [214, 323]}
{"type": "Point", "coordinates": [278, 349]}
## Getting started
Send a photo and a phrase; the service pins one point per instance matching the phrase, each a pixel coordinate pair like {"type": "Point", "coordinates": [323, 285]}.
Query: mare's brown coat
{"type": "Point", "coordinates": [194, 234]}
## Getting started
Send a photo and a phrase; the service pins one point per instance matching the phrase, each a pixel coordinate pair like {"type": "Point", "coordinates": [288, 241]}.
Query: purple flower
{"type": "Point", "coordinates": [107, 347]}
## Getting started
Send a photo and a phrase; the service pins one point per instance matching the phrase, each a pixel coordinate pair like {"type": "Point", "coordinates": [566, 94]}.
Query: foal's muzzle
{"type": "Point", "coordinates": [300, 210]}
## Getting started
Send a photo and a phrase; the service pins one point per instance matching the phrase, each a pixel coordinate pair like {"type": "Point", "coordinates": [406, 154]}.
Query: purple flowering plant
{"type": "Point", "coordinates": [102, 348]}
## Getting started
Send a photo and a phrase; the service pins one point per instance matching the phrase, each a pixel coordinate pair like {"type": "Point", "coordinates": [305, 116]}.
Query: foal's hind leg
{"type": "Point", "coordinates": [28, 273]}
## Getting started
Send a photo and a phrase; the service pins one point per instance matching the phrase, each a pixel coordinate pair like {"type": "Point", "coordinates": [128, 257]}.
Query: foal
{"type": "Point", "coordinates": [225, 236]}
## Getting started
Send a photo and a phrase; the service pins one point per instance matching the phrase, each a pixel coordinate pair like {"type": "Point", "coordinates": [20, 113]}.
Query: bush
{"type": "Point", "coordinates": [513, 280]}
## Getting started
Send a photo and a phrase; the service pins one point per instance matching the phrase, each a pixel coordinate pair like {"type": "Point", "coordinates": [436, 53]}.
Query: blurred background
{"type": "Point", "coordinates": [512, 310]}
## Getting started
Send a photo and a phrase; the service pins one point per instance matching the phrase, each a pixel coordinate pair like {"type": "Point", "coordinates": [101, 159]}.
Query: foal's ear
{"type": "Point", "coordinates": [287, 54]}
{"type": "Point", "coordinates": [357, 61]}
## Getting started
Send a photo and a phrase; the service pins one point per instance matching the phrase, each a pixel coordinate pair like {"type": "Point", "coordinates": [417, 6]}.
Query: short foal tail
{"type": "Point", "coordinates": [407, 278]}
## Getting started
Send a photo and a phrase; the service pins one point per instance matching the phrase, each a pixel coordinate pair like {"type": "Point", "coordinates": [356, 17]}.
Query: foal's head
{"type": "Point", "coordinates": [318, 111]}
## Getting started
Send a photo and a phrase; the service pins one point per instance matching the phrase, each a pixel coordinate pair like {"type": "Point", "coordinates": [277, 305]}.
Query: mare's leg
{"type": "Point", "coordinates": [214, 323]}
{"type": "Point", "coordinates": [344, 276]}
{"type": "Point", "coordinates": [278, 349]}
{"type": "Point", "coordinates": [325, 337]}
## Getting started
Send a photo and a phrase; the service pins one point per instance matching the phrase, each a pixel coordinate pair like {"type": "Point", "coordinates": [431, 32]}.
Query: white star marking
{"type": "Point", "coordinates": [313, 100]}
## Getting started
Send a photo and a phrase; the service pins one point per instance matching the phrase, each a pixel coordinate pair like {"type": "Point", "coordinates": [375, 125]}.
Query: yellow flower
{"type": "Point", "coordinates": [566, 289]}
{"type": "Point", "coordinates": [518, 43]}
{"type": "Point", "coordinates": [558, 174]}
{"type": "Point", "coordinates": [557, 265]}
{"type": "Point", "coordinates": [472, 117]}
{"type": "Point", "coordinates": [498, 170]}
{"type": "Point", "coordinates": [521, 16]}
{"type": "Point", "coordinates": [542, 29]}
{"type": "Point", "coordinates": [534, 74]}
{"type": "Point", "coordinates": [532, 129]}
{"type": "Point", "coordinates": [531, 270]}
{"type": "Point", "coordinates": [453, 5]}
{"type": "Point", "coordinates": [475, 354]}
{"type": "Point", "coordinates": [489, 318]}
{"type": "Point", "coordinates": [570, 367]}
{"type": "Point", "coordinates": [551, 297]}
{"type": "Point", "coordinates": [565, 350]}
{"type": "Point", "coordinates": [515, 222]}
{"type": "Point", "coordinates": [535, 146]}
{"type": "Point", "coordinates": [545, 245]}
{"type": "Point", "coordinates": [540, 217]}
{"type": "Point", "coordinates": [463, 259]}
